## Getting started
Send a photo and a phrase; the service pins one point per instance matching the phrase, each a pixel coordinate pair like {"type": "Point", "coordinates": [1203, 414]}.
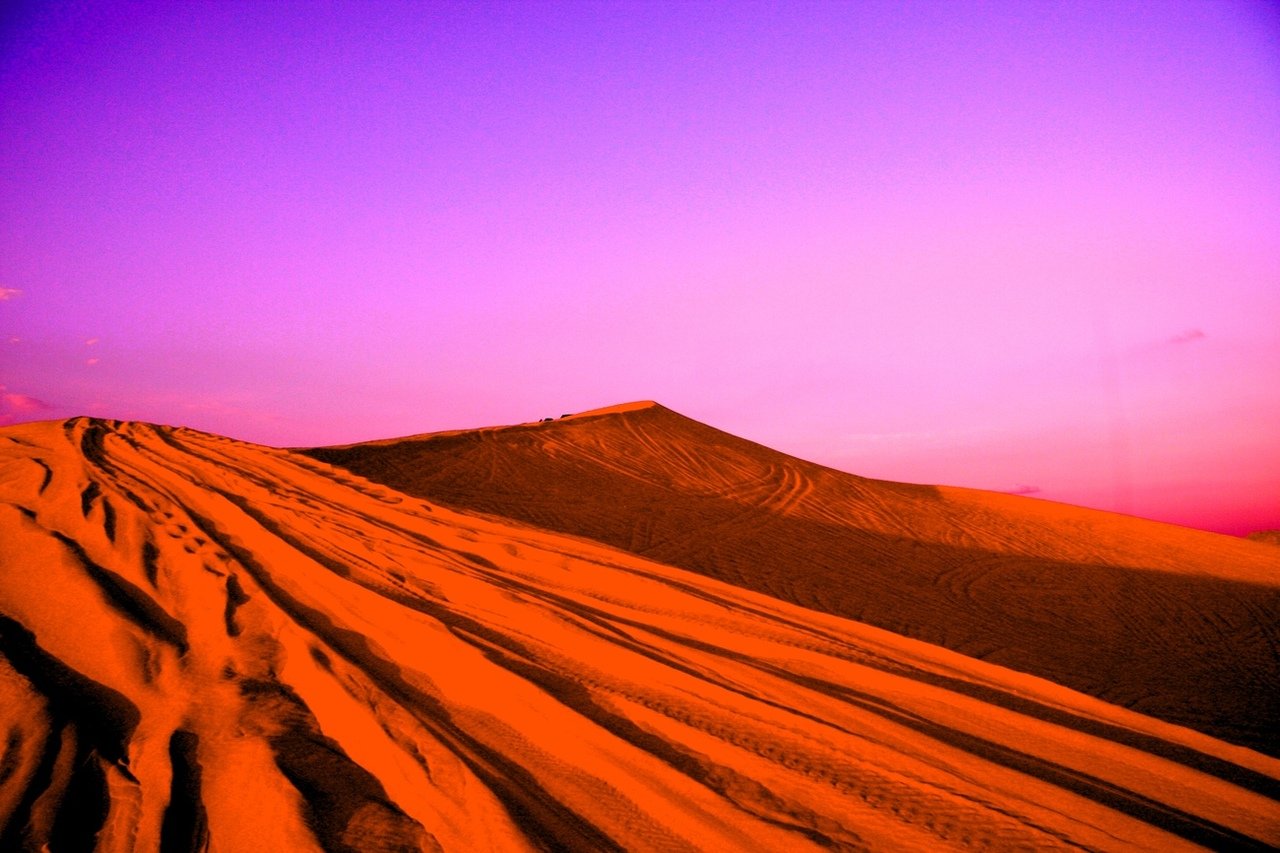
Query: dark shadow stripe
{"type": "Point", "coordinates": [109, 519]}
{"type": "Point", "coordinates": [104, 717]}
{"type": "Point", "coordinates": [150, 561]}
{"type": "Point", "coordinates": [88, 495]}
{"type": "Point", "coordinates": [16, 833]}
{"type": "Point", "coordinates": [48, 475]}
{"type": "Point", "coordinates": [84, 806]}
{"type": "Point", "coordinates": [131, 601]}
{"type": "Point", "coordinates": [345, 805]}
{"type": "Point", "coordinates": [9, 761]}
{"type": "Point", "coordinates": [92, 440]}
{"type": "Point", "coordinates": [185, 827]}
{"type": "Point", "coordinates": [236, 596]}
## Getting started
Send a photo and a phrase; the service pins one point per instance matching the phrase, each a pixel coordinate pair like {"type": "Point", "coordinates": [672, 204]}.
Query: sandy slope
{"type": "Point", "coordinates": [1177, 623]}
{"type": "Point", "coordinates": [212, 644]}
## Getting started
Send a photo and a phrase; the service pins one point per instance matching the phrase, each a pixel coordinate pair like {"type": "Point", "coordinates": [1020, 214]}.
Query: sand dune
{"type": "Point", "coordinates": [213, 645]}
{"type": "Point", "coordinates": [1177, 623]}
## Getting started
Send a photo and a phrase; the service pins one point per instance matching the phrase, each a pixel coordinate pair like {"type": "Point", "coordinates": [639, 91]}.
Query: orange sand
{"type": "Point", "coordinates": [1177, 623]}
{"type": "Point", "coordinates": [207, 642]}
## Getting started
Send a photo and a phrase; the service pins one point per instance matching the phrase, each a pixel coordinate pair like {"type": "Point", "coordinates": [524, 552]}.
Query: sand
{"type": "Point", "coordinates": [209, 644]}
{"type": "Point", "coordinates": [1177, 623]}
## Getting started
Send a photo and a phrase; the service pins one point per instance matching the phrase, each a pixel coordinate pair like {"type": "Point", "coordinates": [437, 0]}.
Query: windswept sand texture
{"type": "Point", "coordinates": [208, 644]}
{"type": "Point", "coordinates": [1177, 623]}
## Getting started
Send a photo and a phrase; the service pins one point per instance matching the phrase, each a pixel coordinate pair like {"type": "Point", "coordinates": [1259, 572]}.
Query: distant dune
{"type": "Point", "coordinates": [208, 644]}
{"type": "Point", "coordinates": [1177, 623]}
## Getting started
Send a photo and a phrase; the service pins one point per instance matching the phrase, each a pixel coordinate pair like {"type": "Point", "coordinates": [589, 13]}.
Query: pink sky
{"type": "Point", "coordinates": [1017, 246]}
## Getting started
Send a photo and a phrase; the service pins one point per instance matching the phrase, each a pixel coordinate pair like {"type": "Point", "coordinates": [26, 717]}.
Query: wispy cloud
{"type": "Point", "coordinates": [1188, 336]}
{"type": "Point", "coordinates": [1023, 490]}
{"type": "Point", "coordinates": [25, 403]}
{"type": "Point", "coordinates": [91, 341]}
{"type": "Point", "coordinates": [15, 407]}
{"type": "Point", "coordinates": [7, 293]}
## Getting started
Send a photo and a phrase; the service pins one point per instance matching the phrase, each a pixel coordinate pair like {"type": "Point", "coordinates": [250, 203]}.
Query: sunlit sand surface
{"type": "Point", "coordinates": [209, 644]}
{"type": "Point", "coordinates": [1177, 623]}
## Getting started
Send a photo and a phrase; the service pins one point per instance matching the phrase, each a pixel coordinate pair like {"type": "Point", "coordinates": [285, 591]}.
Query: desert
{"type": "Point", "coordinates": [210, 644]}
{"type": "Point", "coordinates": [639, 425]}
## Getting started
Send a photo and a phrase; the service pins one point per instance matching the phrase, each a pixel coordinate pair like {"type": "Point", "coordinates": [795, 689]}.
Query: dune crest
{"type": "Point", "coordinates": [211, 644]}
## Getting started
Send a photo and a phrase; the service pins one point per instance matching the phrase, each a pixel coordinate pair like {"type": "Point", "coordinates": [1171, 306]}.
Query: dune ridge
{"type": "Point", "coordinates": [1177, 623]}
{"type": "Point", "coordinates": [209, 644]}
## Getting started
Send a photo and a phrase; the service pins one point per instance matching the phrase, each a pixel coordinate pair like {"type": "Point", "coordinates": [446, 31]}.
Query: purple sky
{"type": "Point", "coordinates": [1018, 246]}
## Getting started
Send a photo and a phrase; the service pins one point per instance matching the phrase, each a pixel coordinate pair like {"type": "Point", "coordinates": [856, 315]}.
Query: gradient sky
{"type": "Point", "coordinates": [1019, 246]}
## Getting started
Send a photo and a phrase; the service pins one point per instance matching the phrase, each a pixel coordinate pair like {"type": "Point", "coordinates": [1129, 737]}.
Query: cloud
{"type": "Point", "coordinates": [24, 403]}
{"type": "Point", "coordinates": [16, 408]}
{"type": "Point", "coordinates": [1187, 337]}
{"type": "Point", "coordinates": [92, 361]}
{"type": "Point", "coordinates": [7, 293]}
{"type": "Point", "coordinates": [91, 341]}
{"type": "Point", "coordinates": [1023, 490]}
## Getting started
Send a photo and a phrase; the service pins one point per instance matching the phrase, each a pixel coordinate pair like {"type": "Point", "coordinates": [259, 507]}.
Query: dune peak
{"type": "Point", "coordinates": [618, 409]}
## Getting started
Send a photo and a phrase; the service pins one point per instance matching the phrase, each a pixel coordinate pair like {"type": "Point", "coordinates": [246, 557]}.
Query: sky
{"type": "Point", "coordinates": [1028, 246]}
